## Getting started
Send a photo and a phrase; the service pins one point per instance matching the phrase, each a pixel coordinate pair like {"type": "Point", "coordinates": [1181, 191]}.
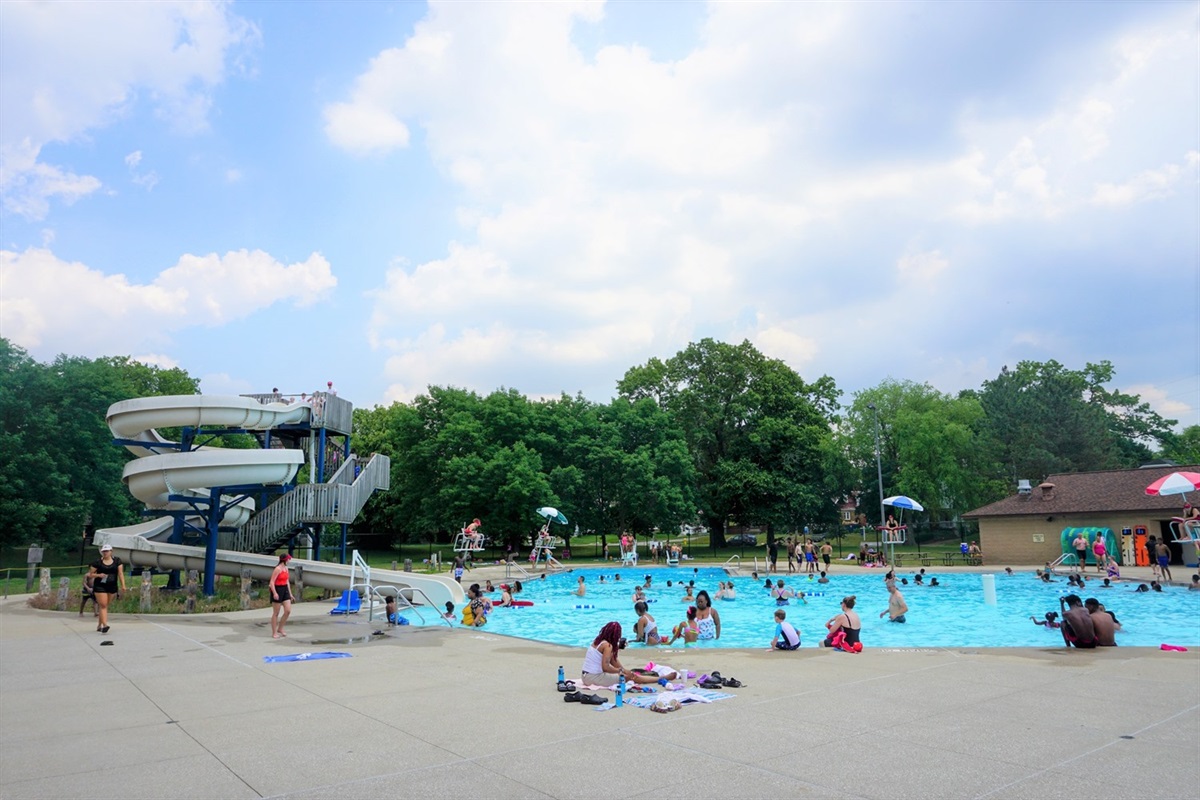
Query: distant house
{"type": "Point", "coordinates": [1026, 528]}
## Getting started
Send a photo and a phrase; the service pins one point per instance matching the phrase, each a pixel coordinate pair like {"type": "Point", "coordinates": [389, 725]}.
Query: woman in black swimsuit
{"type": "Point", "coordinates": [847, 621]}
{"type": "Point", "coordinates": [108, 578]}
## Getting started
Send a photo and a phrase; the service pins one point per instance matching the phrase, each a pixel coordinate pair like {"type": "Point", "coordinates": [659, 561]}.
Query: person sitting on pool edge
{"type": "Point", "coordinates": [602, 667]}
{"type": "Point", "coordinates": [786, 636]}
{"type": "Point", "coordinates": [847, 623]}
{"type": "Point", "coordinates": [1104, 621]}
{"type": "Point", "coordinates": [1077, 627]}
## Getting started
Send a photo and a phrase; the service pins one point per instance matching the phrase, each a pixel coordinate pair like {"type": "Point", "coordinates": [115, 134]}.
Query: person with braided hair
{"type": "Point", "coordinates": [602, 667]}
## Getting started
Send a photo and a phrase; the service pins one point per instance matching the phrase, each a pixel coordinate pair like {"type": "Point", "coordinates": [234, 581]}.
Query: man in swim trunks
{"type": "Point", "coordinates": [826, 554]}
{"type": "Point", "coordinates": [1081, 547]}
{"type": "Point", "coordinates": [897, 608]}
{"type": "Point", "coordinates": [1077, 627]}
{"type": "Point", "coordinates": [1163, 553]}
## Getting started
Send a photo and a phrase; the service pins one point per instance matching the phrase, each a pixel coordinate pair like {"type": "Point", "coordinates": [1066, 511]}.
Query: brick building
{"type": "Point", "coordinates": [1026, 528]}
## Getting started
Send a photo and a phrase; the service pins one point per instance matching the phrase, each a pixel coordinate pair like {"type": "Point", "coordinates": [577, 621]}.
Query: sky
{"type": "Point", "coordinates": [540, 196]}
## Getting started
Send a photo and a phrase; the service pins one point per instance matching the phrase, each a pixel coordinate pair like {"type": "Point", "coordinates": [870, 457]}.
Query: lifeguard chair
{"type": "Point", "coordinates": [629, 555]}
{"type": "Point", "coordinates": [897, 535]}
{"type": "Point", "coordinates": [1186, 530]}
{"type": "Point", "coordinates": [466, 543]}
{"type": "Point", "coordinates": [672, 555]}
{"type": "Point", "coordinates": [543, 549]}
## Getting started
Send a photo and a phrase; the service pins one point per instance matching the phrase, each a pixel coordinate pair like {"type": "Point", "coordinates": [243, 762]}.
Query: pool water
{"type": "Point", "coordinates": [951, 615]}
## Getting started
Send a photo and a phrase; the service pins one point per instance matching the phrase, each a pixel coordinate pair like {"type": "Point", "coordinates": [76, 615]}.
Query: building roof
{"type": "Point", "coordinates": [1091, 492]}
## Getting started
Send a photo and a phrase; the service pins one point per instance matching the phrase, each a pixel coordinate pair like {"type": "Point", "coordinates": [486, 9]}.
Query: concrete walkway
{"type": "Point", "coordinates": [185, 707]}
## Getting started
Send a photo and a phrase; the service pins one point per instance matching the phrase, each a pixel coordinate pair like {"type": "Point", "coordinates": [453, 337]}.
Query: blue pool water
{"type": "Point", "coordinates": [951, 615]}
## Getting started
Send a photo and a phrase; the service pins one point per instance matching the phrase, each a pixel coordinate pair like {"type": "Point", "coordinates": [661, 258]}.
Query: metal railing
{"type": "Point", "coordinates": [733, 565]}
{"type": "Point", "coordinates": [340, 500]}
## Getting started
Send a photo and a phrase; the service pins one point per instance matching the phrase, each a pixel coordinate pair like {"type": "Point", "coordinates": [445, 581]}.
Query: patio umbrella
{"type": "Point", "coordinates": [552, 514]}
{"type": "Point", "coordinates": [1176, 483]}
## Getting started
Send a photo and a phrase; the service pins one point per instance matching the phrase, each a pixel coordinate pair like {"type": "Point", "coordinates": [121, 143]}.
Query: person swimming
{"type": "Point", "coordinates": [1051, 620]}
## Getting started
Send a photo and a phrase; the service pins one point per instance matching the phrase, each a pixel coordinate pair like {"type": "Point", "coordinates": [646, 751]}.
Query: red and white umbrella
{"type": "Point", "coordinates": [1176, 483]}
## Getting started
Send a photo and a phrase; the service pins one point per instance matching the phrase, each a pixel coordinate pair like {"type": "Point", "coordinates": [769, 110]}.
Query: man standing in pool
{"type": "Point", "coordinates": [897, 608]}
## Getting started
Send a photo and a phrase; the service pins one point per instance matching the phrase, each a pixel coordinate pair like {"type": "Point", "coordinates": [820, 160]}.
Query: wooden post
{"type": "Point", "coordinates": [64, 589]}
{"type": "Point", "coordinates": [44, 582]}
{"type": "Point", "coordinates": [147, 589]}
{"type": "Point", "coordinates": [189, 605]}
{"type": "Point", "coordinates": [245, 593]}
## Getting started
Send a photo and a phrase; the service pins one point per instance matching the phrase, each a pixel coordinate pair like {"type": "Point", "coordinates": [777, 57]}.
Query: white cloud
{"type": "Point", "coordinates": [51, 306]}
{"type": "Point", "coordinates": [68, 68]}
{"type": "Point", "coordinates": [1148, 185]}
{"type": "Point", "coordinates": [921, 267]}
{"type": "Point", "coordinates": [1164, 403]}
{"type": "Point", "coordinates": [616, 205]}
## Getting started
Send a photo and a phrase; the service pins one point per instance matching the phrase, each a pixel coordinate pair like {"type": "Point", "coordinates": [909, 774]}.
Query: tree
{"type": "Point", "coordinates": [929, 445]}
{"type": "Point", "coordinates": [754, 429]}
{"type": "Point", "coordinates": [1183, 447]}
{"type": "Point", "coordinates": [58, 465]}
{"type": "Point", "coordinates": [1045, 418]}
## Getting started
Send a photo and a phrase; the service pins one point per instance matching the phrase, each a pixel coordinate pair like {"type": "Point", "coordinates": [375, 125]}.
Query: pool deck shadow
{"type": "Point", "coordinates": [185, 707]}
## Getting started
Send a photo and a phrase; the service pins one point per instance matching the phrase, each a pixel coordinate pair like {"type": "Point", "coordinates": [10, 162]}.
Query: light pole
{"type": "Point", "coordinates": [878, 465]}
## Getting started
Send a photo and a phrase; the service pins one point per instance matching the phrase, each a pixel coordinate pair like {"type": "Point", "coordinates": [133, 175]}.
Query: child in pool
{"type": "Point", "coordinates": [1051, 620]}
{"type": "Point", "coordinates": [687, 629]}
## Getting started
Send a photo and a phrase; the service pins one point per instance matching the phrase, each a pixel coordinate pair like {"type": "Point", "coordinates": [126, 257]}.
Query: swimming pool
{"type": "Point", "coordinates": [950, 615]}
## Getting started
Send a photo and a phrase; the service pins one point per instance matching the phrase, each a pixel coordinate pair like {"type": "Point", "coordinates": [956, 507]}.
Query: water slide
{"type": "Point", "coordinates": [1111, 546]}
{"type": "Point", "coordinates": [160, 472]}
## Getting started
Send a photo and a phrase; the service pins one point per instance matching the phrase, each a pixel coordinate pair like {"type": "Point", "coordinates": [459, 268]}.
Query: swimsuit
{"type": "Point", "coordinates": [787, 632]}
{"type": "Point", "coordinates": [706, 628]}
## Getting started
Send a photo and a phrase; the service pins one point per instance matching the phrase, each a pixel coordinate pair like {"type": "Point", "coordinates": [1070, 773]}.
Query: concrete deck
{"type": "Point", "coordinates": [185, 707]}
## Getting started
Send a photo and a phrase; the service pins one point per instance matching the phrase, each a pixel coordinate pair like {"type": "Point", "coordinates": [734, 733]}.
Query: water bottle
{"type": "Point", "coordinates": [621, 691]}
{"type": "Point", "coordinates": [561, 676]}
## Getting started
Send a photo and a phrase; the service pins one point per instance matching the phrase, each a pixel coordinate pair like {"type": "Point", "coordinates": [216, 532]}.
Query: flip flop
{"type": "Point", "coordinates": [573, 697]}
{"type": "Point", "coordinates": [716, 676]}
{"type": "Point", "coordinates": [592, 700]}
{"type": "Point", "coordinates": [566, 686]}
{"type": "Point", "coordinates": [710, 684]}
{"type": "Point", "coordinates": [732, 683]}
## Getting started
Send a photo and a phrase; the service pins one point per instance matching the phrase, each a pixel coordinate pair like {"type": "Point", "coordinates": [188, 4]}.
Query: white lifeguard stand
{"type": "Point", "coordinates": [893, 536]}
{"type": "Point", "coordinates": [543, 549]}
{"type": "Point", "coordinates": [466, 543]}
{"type": "Point", "coordinates": [1186, 530]}
{"type": "Point", "coordinates": [629, 558]}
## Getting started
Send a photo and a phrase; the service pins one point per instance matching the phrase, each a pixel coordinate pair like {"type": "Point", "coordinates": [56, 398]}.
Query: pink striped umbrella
{"type": "Point", "coordinates": [1176, 483]}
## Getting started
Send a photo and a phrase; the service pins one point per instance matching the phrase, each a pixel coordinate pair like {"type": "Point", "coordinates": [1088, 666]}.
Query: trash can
{"type": "Point", "coordinates": [408, 565]}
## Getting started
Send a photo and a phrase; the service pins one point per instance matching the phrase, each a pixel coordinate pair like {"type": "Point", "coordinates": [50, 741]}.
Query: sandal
{"type": "Point", "coordinates": [732, 683]}
{"type": "Point", "coordinates": [572, 697]}
{"type": "Point", "coordinates": [666, 706]}
{"type": "Point", "coordinates": [710, 684]}
{"type": "Point", "coordinates": [566, 686]}
{"type": "Point", "coordinates": [591, 700]}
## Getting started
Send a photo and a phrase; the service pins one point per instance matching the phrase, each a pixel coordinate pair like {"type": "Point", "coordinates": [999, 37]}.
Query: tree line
{"type": "Point", "coordinates": [714, 434]}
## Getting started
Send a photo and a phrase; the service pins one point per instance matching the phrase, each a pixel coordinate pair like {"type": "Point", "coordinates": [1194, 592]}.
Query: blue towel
{"type": "Point", "coordinates": [305, 656]}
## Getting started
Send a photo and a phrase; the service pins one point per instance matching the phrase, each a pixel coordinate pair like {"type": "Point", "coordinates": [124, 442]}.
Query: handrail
{"type": "Point", "coordinates": [509, 566]}
{"type": "Point", "coordinates": [733, 565]}
{"type": "Point", "coordinates": [340, 500]}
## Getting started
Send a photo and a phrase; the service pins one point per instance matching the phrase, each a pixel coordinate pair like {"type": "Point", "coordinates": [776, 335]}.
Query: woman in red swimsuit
{"type": "Point", "coordinates": [281, 597]}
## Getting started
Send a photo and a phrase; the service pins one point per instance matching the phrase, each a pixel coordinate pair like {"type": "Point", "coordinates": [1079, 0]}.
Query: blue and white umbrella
{"type": "Point", "coordinates": [900, 501]}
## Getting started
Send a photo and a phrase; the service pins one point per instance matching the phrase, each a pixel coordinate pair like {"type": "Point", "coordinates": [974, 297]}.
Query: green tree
{"type": "Point", "coordinates": [929, 448]}
{"type": "Point", "coordinates": [58, 465]}
{"type": "Point", "coordinates": [1183, 447]}
{"type": "Point", "coordinates": [1044, 418]}
{"type": "Point", "coordinates": [754, 429]}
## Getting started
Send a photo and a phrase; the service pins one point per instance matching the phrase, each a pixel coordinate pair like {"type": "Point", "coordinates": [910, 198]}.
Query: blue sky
{"type": "Point", "coordinates": [542, 195]}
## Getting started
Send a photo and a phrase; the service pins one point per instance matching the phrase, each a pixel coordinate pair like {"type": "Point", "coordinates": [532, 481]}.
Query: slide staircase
{"type": "Point", "coordinates": [340, 500]}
